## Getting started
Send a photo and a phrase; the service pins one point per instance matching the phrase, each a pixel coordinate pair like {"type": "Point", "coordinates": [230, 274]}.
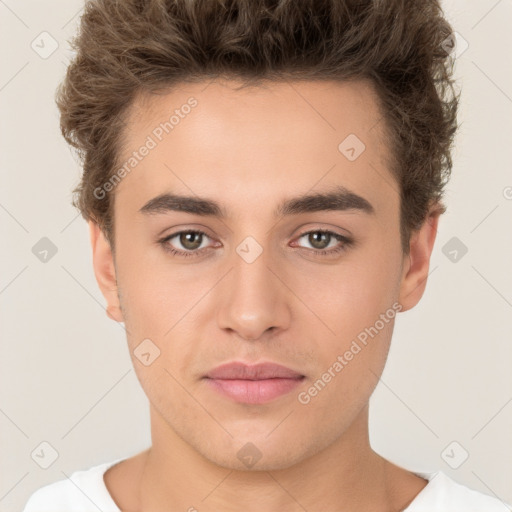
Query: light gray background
{"type": "Point", "coordinates": [66, 375]}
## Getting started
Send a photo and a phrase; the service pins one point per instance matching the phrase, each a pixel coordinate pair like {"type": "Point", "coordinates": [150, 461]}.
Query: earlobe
{"type": "Point", "coordinates": [104, 270]}
{"type": "Point", "coordinates": [415, 273]}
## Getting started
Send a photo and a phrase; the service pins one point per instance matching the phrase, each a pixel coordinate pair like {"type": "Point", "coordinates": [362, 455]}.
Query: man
{"type": "Point", "coordinates": [263, 184]}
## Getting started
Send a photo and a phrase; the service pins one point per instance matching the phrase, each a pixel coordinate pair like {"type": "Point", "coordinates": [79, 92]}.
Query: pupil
{"type": "Point", "coordinates": [187, 240]}
{"type": "Point", "coordinates": [314, 242]}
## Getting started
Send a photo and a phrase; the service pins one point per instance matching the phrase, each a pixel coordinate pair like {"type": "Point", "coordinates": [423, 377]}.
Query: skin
{"type": "Point", "coordinates": [249, 150]}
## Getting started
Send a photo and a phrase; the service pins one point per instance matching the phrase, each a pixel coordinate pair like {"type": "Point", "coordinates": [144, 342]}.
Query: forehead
{"type": "Point", "coordinates": [310, 107]}
{"type": "Point", "coordinates": [215, 140]}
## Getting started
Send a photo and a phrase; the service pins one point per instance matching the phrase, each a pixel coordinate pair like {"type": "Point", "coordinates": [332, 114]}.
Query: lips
{"type": "Point", "coordinates": [256, 372]}
{"type": "Point", "coordinates": [253, 384]}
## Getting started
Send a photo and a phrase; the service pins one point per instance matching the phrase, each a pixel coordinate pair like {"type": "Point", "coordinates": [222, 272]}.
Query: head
{"type": "Point", "coordinates": [278, 121]}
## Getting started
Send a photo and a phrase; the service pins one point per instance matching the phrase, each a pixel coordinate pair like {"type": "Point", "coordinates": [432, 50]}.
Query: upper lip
{"type": "Point", "coordinates": [261, 371]}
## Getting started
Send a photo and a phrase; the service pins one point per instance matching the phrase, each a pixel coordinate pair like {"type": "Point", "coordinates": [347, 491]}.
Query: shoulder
{"type": "Point", "coordinates": [443, 494]}
{"type": "Point", "coordinates": [83, 491]}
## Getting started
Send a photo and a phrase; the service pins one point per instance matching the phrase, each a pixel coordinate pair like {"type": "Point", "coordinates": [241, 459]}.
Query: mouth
{"type": "Point", "coordinates": [253, 384]}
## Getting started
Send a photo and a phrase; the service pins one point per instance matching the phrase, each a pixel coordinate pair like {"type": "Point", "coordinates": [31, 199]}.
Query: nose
{"type": "Point", "coordinates": [253, 299]}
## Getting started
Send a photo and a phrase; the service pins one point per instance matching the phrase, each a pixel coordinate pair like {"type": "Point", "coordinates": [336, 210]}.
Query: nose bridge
{"type": "Point", "coordinates": [252, 300]}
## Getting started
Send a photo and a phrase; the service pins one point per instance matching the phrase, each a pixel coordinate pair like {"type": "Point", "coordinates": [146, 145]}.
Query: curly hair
{"type": "Point", "coordinates": [127, 47]}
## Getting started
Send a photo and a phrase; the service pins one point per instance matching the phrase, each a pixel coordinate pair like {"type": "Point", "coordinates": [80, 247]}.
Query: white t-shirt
{"type": "Point", "coordinates": [85, 491]}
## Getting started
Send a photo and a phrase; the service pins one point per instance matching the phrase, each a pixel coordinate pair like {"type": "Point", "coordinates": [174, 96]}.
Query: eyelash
{"type": "Point", "coordinates": [347, 242]}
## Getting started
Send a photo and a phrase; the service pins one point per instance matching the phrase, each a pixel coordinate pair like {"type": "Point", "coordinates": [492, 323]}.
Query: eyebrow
{"type": "Point", "coordinates": [338, 198]}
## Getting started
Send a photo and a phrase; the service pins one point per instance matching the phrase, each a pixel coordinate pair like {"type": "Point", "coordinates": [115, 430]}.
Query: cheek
{"type": "Point", "coordinates": [155, 295]}
{"type": "Point", "coordinates": [355, 306]}
{"type": "Point", "coordinates": [348, 370]}
{"type": "Point", "coordinates": [351, 295]}
{"type": "Point", "coordinates": [162, 304]}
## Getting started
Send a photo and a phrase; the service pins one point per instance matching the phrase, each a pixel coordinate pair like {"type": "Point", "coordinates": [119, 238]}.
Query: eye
{"type": "Point", "coordinates": [325, 242]}
{"type": "Point", "coordinates": [191, 242]}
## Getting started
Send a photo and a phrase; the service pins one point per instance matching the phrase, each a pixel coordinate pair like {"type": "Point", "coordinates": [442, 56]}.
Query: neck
{"type": "Point", "coordinates": [348, 476]}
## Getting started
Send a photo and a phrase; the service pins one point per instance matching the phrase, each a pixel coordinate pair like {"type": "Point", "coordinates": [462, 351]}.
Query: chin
{"type": "Point", "coordinates": [258, 453]}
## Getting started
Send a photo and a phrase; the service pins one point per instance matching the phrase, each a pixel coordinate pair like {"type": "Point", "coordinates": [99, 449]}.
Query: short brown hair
{"type": "Point", "coordinates": [127, 47]}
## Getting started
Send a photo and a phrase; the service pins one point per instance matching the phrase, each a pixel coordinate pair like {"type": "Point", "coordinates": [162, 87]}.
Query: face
{"type": "Point", "coordinates": [255, 274]}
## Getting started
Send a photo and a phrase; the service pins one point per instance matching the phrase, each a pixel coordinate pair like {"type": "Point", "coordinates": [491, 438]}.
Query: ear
{"type": "Point", "coordinates": [416, 265]}
{"type": "Point", "coordinates": [104, 270]}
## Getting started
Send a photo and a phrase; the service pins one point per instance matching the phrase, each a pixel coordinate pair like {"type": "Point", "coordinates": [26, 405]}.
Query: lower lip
{"type": "Point", "coordinates": [254, 391]}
